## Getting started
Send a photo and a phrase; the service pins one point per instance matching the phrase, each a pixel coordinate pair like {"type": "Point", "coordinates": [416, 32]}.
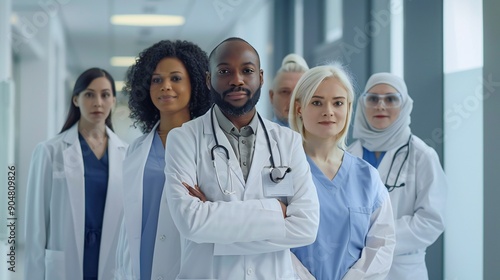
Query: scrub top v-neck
{"type": "Point", "coordinates": [96, 187]}
{"type": "Point", "coordinates": [153, 182]}
{"type": "Point", "coordinates": [345, 208]}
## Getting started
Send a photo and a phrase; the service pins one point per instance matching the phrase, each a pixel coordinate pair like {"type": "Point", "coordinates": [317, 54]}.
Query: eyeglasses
{"type": "Point", "coordinates": [390, 100]}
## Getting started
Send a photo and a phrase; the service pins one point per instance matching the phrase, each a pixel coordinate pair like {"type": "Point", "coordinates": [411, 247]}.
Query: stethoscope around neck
{"type": "Point", "coordinates": [277, 174]}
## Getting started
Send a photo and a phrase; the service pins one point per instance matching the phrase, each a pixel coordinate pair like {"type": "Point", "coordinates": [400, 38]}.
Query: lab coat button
{"type": "Point", "coordinates": [249, 271]}
{"type": "Point", "coordinates": [162, 237]}
{"type": "Point", "coordinates": [160, 278]}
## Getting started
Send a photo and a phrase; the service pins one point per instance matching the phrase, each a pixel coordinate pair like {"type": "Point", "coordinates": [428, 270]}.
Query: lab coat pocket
{"type": "Point", "coordinates": [55, 268]}
{"type": "Point", "coordinates": [281, 189]}
{"type": "Point", "coordinates": [359, 222]}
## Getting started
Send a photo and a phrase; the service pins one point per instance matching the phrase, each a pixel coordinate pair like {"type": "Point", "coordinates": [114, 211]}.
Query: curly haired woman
{"type": "Point", "coordinates": [166, 88]}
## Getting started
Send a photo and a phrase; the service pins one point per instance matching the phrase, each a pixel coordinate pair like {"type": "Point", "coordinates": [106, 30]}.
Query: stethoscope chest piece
{"type": "Point", "coordinates": [278, 173]}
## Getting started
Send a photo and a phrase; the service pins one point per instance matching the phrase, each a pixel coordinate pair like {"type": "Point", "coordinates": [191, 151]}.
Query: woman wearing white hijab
{"type": "Point", "coordinates": [409, 168]}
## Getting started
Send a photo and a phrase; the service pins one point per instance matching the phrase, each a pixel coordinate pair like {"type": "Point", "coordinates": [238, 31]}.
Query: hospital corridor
{"type": "Point", "coordinates": [396, 178]}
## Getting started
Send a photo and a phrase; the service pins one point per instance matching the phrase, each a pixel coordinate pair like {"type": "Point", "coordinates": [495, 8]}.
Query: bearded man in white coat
{"type": "Point", "coordinates": [251, 214]}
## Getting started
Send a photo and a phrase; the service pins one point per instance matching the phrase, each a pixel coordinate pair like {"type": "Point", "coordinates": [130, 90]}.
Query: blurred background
{"type": "Point", "coordinates": [446, 50]}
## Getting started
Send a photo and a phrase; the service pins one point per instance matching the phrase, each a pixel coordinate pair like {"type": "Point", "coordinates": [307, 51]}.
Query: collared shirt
{"type": "Point", "coordinates": [242, 141]}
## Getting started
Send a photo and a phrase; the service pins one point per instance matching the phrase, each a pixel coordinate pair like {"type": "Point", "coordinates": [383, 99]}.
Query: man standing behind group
{"type": "Point", "coordinates": [292, 68]}
{"type": "Point", "coordinates": [247, 223]}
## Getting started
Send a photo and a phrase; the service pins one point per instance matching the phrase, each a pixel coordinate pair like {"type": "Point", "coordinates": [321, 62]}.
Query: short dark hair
{"type": "Point", "coordinates": [212, 53]}
{"type": "Point", "coordinates": [83, 81]}
{"type": "Point", "coordinates": [138, 80]}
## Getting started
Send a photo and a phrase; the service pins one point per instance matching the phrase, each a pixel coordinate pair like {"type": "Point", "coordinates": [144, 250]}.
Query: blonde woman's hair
{"type": "Point", "coordinates": [307, 86]}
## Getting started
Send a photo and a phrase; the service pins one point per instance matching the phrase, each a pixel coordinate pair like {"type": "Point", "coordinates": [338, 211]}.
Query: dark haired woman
{"type": "Point", "coordinates": [166, 88]}
{"type": "Point", "coordinates": [74, 201]}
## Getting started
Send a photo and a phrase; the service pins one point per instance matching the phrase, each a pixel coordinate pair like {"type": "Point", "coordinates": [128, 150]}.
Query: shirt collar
{"type": "Point", "coordinates": [229, 127]}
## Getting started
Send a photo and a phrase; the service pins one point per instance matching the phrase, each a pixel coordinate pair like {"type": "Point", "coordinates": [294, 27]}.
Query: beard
{"type": "Point", "coordinates": [229, 109]}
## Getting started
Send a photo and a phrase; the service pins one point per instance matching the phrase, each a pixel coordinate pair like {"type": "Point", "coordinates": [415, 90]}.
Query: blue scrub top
{"type": "Point", "coordinates": [346, 205]}
{"type": "Point", "coordinates": [370, 157]}
{"type": "Point", "coordinates": [96, 187]}
{"type": "Point", "coordinates": [153, 182]}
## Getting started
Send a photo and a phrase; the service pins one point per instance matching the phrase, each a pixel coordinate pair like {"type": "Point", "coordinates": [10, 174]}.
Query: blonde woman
{"type": "Point", "coordinates": [356, 232]}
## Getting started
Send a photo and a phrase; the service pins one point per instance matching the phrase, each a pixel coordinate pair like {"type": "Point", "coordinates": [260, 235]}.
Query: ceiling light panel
{"type": "Point", "coordinates": [147, 20]}
{"type": "Point", "coordinates": [122, 61]}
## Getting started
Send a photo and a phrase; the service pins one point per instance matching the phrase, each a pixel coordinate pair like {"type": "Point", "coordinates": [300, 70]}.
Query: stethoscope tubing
{"type": "Point", "coordinates": [274, 178]}
{"type": "Point", "coordinates": [391, 188]}
{"type": "Point", "coordinates": [217, 145]}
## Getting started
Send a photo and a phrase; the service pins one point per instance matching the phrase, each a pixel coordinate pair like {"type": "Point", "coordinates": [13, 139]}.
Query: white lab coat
{"type": "Point", "coordinates": [55, 209]}
{"type": "Point", "coordinates": [418, 207]}
{"type": "Point", "coordinates": [166, 258]}
{"type": "Point", "coordinates": [242, 235]}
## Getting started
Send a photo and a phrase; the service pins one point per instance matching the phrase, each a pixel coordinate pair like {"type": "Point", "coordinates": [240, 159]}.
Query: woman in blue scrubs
{"type": "Point", "coordinates": [167, 88]}
{"type": "Point", "coordinates": [356, 232]}
{"type": "Point", "coordinates": [74, 202]}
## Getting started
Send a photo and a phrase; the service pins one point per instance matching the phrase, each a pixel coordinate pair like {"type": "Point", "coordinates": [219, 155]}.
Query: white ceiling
{"type": "Point", "coordinates": [91, 38]}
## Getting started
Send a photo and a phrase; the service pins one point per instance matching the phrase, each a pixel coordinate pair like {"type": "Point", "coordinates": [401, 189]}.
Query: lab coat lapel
{"type": "Point", "coordinates": [220, 155]}
{"type": "Point", "coordinates": [114, 200]}
{"type": "Point", "coordinates": [74, 172]}
{"type": "Point", "coordinates": [133, 170]}
{"type": "Point", "coordinates": [383, 167]}
{"type": "Point", "coordinates": [356, 149]}
{"type": "Point", "coordinates": [261, 155]}
{"type": "Point", "coordinates": [385, 164]}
